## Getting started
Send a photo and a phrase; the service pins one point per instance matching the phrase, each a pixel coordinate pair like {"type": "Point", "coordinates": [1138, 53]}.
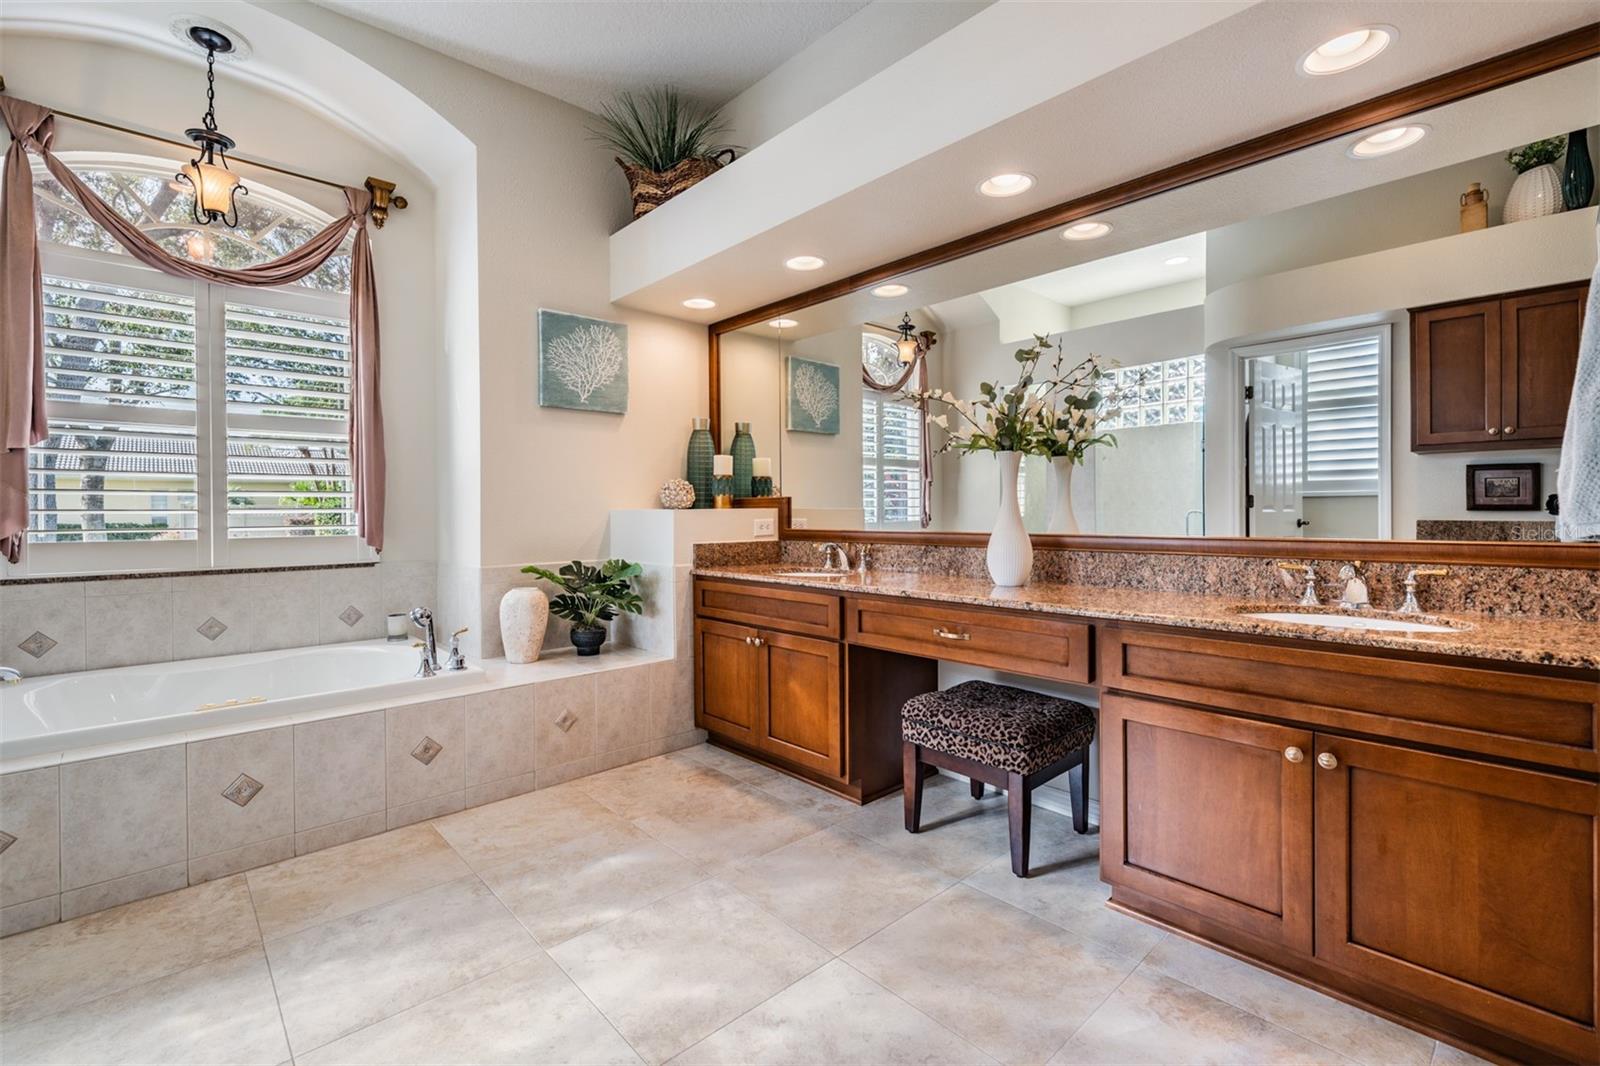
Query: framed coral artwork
{"type": "Point", "coordinates": [813, 396]}
{"type": "Point", "coordinates": [583, 363]}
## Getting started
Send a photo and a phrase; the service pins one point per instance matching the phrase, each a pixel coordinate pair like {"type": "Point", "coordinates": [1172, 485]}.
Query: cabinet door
{"type": "Point", "coordinates": [1455, 375]}
{"type": "Point", "coordinates": [1209, 812]}
{"type": "Point", "coordinates": [1466, 884]}
{"type": "Point", "coordinates": [728, 682]}
{"type": "Point", "coordinates": [1539, 358]}
{"type": "Point", "coordinates": [804, 720]}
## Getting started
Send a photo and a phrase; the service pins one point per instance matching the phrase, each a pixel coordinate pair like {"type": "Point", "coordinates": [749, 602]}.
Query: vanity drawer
{"type": "Point", "coordinates": [1032, 644]}
{"type": "Point", "coordinates": [1550, 720]}
{"type": "Point", "coordinates": [814, 614]}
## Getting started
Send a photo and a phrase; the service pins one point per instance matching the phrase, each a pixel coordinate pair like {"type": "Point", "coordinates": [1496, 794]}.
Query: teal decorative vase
{"type": "Point", "coordinates": [697, 469]}
{"type": "Point", "coordinates": [1577, 178]}
{"type": "Point", "coordinates": [744, 455]}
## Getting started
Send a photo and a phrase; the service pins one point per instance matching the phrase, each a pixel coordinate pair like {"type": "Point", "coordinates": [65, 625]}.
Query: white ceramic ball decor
{"type": "Point", "coordinates": [524, 616]}
{"type": "Point", "coordinates": [1535, 193]}
{"type": "Point", "coordinates": [677, 495]}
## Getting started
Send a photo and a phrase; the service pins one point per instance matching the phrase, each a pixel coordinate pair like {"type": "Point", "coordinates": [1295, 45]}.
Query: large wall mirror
{"type": "Point", "coordinates": [1325, 344]}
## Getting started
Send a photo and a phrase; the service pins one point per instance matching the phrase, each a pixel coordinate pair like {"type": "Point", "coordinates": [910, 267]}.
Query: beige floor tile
{"type": "Point", "coordinates": [529, 1012]}
{"type": "Point", "coordinates": [661, 785]}
{"type": "Point", "coordinates": [674, 972]}
{"type": "Point", "coordinates": [835, 887]}
{"type": "Point", "coordinates": [565, 891]}
{"type": "Point", "coordinates": [525, 826]}
{"type": "Point", "coordinates": [59, 966]}
{"type": "Point", "coordinates": [300, 892]}
{"type": "Point", "coordinates": [958, 834]}
{"type": "Point", "coordinates": [739, 823]}
{"type": "Point", "coordinates": [804, 795]}
{"type": "Point", "coordinates": [217, 1012]}
{"type": "Point", "coordinates": [1013, 984]}
{"type": "Point", "coordinates": [1064, 887]}
{"type": "Point", "coordinates": [1449, 1055]}
{"type": "Point", "coordinates": [1154, 1019]}
{"type": "Point", "coordinates": [833, 1016]}
{"type": "Point", "coordinates": [346, 974]}
{"type": "Point", "coordinates": [735, 766]}
{"type": "Point", "coordinates": [1350, 1031]}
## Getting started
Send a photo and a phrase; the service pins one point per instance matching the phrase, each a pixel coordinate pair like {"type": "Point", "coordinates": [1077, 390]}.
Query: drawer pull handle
{"type": "Point", "coordinates": [1328, 761]}
{"type": "Point", "coordinates": [1294, 754]}
{"type": "Point", "coordinates": [944, 634]}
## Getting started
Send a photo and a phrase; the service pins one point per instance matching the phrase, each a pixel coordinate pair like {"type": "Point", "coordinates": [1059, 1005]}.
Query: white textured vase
{"type": "Point", "coordinates": [1062, 520]}
{"type": "Point", "coordinates": [524, 615]}
{"type": "Point", "coordinates": [1534, 194]}
{"type": "Point", "coordinates": [1010, 555]}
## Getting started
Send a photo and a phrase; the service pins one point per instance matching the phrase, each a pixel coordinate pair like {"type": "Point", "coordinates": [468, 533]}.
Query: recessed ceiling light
{"type": "Point", "coordinates": [805, 262]}
{"type": "Point", "coordinates": [1347, 51]}
{"type": "Point", "coordinates": [699, 303]}
{"type": "Point", "coordinates": [783, 323]}
{"type": "Point", "coordinates": [1177, 260]}
{"type": "Point", "coordinates": [1006, 185]}
{"type": "Point", "coordinates": [1392, 139]}
{"type": "Point", "coordinates": [1085, 231]}
{"type": "Point", "coordinates": [891, 290]}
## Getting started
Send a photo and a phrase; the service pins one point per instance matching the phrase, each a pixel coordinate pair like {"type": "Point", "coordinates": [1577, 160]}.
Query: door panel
{"type": "Point", "coordinates": [804, 721]}
{"type": "Point", "coordinates": [1209, 812]}
{"type": "Point", "coordinates": [1540, 337]}
{"type": "Point", "coordinates": [1468, 884]}
{"type": "Point", "coordinates": [728, 685]}
{"type": "Point", "coordinates": [1455, 375]}
{"type": "Point", "coordinates": [1277, 473]}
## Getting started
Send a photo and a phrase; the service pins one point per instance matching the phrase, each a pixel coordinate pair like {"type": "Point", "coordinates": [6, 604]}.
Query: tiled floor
{"type": "Point", "coordinates": [694, 907]}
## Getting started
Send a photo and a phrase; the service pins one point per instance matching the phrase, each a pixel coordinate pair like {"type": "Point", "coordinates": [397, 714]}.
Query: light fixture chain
{"type": "Point", "coordinates": [211, 89]}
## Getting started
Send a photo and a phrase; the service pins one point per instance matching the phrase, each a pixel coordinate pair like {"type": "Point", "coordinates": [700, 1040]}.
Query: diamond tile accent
{"type": "Point", "coordinates": [350, 616]}
{"type": "Point", "coordinates": [244, 789]}
{"type": "Point", "coordinates": [6, 840]}
{"type": "Point", "coordinates": [566, 721]}
{"type": "Point", "coordinates": [211, 628]}
{"type": "Point", "coordinates": [37, 644]}
{"type": "Point", "coordinates": [427, 751]}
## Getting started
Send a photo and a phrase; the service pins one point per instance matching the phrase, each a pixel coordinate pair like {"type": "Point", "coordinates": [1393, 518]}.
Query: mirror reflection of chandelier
{"type": "Point", "coordinates": [215, 186]}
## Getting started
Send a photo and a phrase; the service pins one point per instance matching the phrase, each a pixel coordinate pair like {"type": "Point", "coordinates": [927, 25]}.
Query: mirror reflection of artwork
{"type": "Point", "coordinates": [813, 396]}
{"type": "Point", "coordinates": [583, 363]}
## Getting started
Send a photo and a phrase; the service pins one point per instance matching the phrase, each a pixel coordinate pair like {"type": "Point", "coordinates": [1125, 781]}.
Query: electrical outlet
{"type": "Point", "coordinates": [764, 527]}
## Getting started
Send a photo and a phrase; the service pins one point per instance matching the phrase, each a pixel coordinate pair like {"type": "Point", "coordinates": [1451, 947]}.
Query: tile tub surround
{"type": "Point", "coordinates": [57, 626]}
{"type": "Point", "coordinates": [504, 935]}
{"type": "Point", "coordinates": [102, 827]}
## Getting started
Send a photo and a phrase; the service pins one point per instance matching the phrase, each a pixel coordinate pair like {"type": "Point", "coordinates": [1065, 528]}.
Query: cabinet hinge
{"type": "Point", "coordinates": [1249, 392]}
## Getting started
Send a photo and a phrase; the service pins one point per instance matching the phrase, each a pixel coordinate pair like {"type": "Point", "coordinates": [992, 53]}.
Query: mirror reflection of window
{"type": "Point", "coordinates": [891, 443]}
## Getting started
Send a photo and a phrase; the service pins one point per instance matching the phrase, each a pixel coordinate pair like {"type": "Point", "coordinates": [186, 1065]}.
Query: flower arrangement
{"type": "Point", "coordinates": [1536, 154]}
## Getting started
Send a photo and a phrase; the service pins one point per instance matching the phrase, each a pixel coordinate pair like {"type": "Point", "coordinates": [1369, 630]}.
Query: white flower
{"type": "Point", "coordinates": [941, 421]}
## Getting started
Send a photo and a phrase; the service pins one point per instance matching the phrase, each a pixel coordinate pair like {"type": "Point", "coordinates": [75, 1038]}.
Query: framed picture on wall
{"type": "Point", "coordinates": [583, 363]}
{"type": "Point", "coordinates": [1503, 486]}
{"type": "Point", "coordinates": [813, 396]}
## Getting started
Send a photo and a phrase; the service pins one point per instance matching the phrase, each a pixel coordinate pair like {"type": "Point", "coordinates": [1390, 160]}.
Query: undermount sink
{"type": "Point", "coordinates": [812, 573]}
{"type": "Point", "coordinates": [1388, 623]}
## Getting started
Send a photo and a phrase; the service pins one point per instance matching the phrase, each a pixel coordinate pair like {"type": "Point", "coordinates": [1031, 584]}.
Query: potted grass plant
{"type": "Point", "coordinates": [591, 596]}
{"type": "Point", "coordinates": [663, 144]}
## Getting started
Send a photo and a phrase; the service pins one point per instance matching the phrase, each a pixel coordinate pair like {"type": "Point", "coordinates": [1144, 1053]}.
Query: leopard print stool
{"type": "Point", "coordinates": [1007, 737]}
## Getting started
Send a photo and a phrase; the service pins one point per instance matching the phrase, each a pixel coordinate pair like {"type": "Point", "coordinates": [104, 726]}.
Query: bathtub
{"type": "Point", "coordinates": [81, 710]}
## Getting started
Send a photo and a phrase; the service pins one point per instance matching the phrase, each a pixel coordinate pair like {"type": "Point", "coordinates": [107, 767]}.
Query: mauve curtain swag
{"type": "Point", "coordinates": [22, 395]}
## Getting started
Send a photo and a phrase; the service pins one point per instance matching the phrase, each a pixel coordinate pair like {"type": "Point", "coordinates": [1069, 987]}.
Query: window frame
{"type": "Point", "coordinates": [880, 401]}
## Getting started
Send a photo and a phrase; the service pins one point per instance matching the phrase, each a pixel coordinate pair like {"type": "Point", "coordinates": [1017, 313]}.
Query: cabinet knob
{"type": "Point", "coordinates": [1511, 429]}
{"type": "Point", "coordinates": [1494, 431]}
{"type": "Point", "coordinates": [1294, 754]}
{"type": "Point", "coordinates": [1327, 761]}
{"type": "Point", "coordinates": [760, 641]}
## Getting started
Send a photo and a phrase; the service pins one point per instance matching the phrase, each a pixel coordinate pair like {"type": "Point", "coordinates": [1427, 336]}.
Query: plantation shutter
{"type": "Point", "coordinates": [891, 468]}
{"type": "Point", "coordinates": [1342, 417]}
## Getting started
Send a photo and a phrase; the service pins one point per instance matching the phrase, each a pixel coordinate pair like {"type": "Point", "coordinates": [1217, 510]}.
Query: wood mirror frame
{"type": "Point", "coordinates": [1531, 61]}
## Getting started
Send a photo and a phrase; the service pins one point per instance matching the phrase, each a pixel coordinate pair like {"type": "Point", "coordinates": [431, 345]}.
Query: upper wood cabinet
{"type": "Point", "coordinates": [1495, 373]}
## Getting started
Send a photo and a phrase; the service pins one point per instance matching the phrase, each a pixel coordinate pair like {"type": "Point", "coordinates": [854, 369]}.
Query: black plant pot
{"type": "Point", "coordinates": [588, 641]}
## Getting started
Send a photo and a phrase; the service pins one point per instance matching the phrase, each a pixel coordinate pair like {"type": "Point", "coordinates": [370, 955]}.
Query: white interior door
{"type": "Point", "coordinates": [1276, 474]}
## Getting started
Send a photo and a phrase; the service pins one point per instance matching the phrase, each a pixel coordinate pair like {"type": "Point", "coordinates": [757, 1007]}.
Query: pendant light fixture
{"type": "Point", "coordinates": [215, 186]}
{"type": "Point", "coordinates": [907, 344]}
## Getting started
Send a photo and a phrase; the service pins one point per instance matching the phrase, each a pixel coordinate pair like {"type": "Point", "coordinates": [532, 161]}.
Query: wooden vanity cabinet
{"type": "Point", "coordinates": [1495, 373]}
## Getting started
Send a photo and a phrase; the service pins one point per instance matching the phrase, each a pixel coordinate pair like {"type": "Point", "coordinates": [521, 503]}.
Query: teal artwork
{"type": "Point", "coordinates": [813, 396]}
{"type": "Point", "coordinates": [583, 363]}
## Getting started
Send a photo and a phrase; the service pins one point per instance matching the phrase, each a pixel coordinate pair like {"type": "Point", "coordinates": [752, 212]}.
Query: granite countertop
{"type": "Point", "coordinates": [1545, 641]}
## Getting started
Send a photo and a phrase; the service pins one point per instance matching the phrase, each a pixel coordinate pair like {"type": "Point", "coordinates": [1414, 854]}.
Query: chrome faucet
{"type": "Point", "coordinates": [9, 675]}
{"type": "Point", "coordinates": [835, 556]}
{"type": "Point", "coordinates": [422, 618]}
{"type": "Point", "coordinates": [863, 558]}
{"type": "Point", "coordinates": [456, 661]}
{"type": "Point", "coordinates": [1354, 597]}
{"type": "Point", "coordinates": [1411, 606]}
{"type": "Point", "coordinates": [1308, 598]}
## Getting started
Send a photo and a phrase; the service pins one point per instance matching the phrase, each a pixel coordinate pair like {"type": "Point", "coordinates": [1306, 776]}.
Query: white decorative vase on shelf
{"type": "Point", "coordinates": [1010, 551]}
{"type": "Point", "coordinates": [1534, 194]}
{"type": "Point", "coordinates": [1062, 520]}
{"type": "Point", "coordinates": [524, 616]}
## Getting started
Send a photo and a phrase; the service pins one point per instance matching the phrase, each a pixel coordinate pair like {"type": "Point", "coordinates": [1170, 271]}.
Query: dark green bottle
{"type": "Point", "coordinates": [697, 469]}
{"type": "Point", "coordinates": [744, 454]}
{"type": "Point", "coordinates": [1577, 177]}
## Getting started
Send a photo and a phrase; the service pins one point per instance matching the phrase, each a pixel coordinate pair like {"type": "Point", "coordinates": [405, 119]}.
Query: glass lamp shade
{"type": "Point", "coordinates": [908, 349]}
{"type": "Point", "coordinates": [213, 186]}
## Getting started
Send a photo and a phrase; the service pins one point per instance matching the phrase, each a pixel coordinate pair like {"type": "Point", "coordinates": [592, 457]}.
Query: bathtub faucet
{"type": "Point", "coordinates": [9, 676]}
{"type": "Point", "coordinates": [422, 618]}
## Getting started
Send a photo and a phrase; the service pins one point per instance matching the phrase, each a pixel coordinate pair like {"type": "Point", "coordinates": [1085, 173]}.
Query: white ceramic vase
{"type": "Point", "coordinates": [524, 615]}
{"type": "Point", "coordinates": [1534, 194]}
{"type": "Point", "coordinates": [1010, 551]}
{"type": "Point", "coordinates": [1062, 520]}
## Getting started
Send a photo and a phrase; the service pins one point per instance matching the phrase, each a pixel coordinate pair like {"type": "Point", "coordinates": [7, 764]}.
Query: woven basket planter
{"type": "Point", "coordinates": [652, 188]}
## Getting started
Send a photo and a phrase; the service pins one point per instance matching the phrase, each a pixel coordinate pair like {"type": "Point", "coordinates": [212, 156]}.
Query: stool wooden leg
{"type": "Point", "coordinates": [1078, 785]}
{"type": "Point", "coordinates": [911, 774]}
{"type": "Point", "coordinates": [1019, 808]}
{"type": "Point", "coordinates": [977, 789]}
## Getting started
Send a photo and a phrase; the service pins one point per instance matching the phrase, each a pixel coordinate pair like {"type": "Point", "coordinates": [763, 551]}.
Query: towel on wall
{"type": "Point", "coordinates": [1578, 479]}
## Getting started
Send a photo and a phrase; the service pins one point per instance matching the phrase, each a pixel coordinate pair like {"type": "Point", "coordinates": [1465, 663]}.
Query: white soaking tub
{"type": "Point", "coordinates": [70, 711]}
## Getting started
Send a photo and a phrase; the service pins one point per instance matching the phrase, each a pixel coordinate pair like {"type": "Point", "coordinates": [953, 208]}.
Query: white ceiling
{"type": "Point", "coordinates": [584, 51]}
{"type": "Point", "coordinates": [1117, 275]}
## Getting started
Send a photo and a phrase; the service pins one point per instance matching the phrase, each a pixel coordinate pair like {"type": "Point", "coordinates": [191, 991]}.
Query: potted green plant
{"type": "Point", "coordinates": [1537, 190]}
{"type": "Point", "coordinates": [662, 143]}
{"type": "Point", "coordinates": [591, 596]}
